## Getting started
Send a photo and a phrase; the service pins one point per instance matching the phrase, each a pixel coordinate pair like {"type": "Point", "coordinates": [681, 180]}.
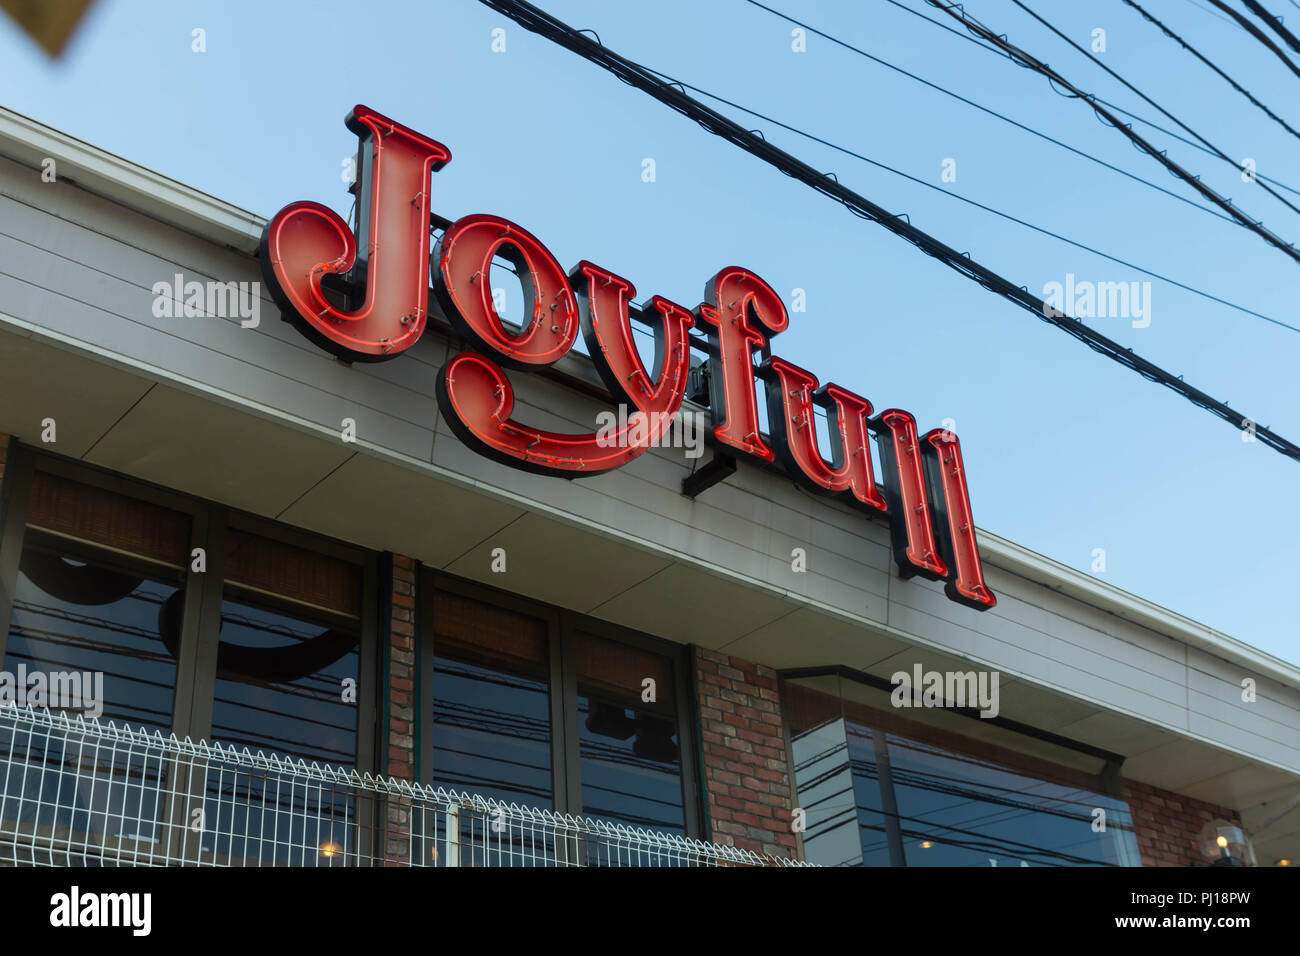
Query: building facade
{"type": "Point", "coordinates": [230, 535]}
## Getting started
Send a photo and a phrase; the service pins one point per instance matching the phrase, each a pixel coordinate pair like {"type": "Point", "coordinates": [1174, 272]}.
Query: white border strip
{"type": "Point", "coordinates": [28, 142]}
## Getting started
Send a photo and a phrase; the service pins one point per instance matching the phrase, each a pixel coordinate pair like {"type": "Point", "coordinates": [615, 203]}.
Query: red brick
{"type": "Point", "coordinates": [746, 773]}
{"type": "Point", "coordinates": [1167, 824]}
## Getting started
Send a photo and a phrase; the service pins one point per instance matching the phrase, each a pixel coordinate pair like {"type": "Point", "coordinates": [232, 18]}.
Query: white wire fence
{"type": "Point", "coordinates": [75, 792]}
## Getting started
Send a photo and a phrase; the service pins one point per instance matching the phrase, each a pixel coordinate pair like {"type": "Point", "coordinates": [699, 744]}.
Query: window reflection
{"type": "Point", "coordinates": [281, 682]}
{"type": "Point", "coordinates": [843, 825]}
{"type": "Point", "coordinates": [287, 684]}
{"type": "Point", "coordinates": [974, 812]}
{"type": "Point", "coordinates": [280, 685]}
{"type": "Point", "coordinates": [88, 616]}
{"type": "Point", "coordinates": [940, 799]}
{"type": "Point", "coordinates": [86, 629]}
{"type": "Point", "coordinates": [629, 753]}
{"type": "Point", "coordinates": [491, 702]}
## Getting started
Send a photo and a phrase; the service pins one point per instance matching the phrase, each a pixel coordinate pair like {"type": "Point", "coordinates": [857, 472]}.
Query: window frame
{"type": "Point", "coordinates": [561, 628]}
{"type": "Point", "coordinates": [201, 621]}
{"type": "Point", "coordinates": [1108, 777]}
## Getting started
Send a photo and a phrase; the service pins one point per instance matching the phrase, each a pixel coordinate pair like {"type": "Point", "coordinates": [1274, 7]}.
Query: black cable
{"type": "Point", "coordinates": [1255, 32]}
{"type": "Point", "coordinates": [988, 209]}
{"type": "Point", "coordinates": [541, 23]}
{"type": "Point", "coordinates": [1025, 60]}
{"type": "Point", "coordinates": [1274, 23]}
{"type": "Point", "coordinates": [985, 109]}
{"type": "Point", "coordinates": [1213, 149]}
{"type": "Point", "coordinates": [1212, 13]}
{"type": "Point", "coordinates": [979, 44]}
{"type": "Point", "coordinates": [1194, 52]}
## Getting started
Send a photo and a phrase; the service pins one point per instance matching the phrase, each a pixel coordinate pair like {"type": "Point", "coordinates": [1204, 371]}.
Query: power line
{"type": "Point", "coordinates": [1255, 32]}
{"type": "Point", "coordinates": [979, 44]}
{"type": "Point", "coordinates": [1274, 23]}
{"type": "Point", "coordinates": [1213, 149]}
{"type": "Point", "coordinates": [1025, 60]}
{"type": "Point", "coordinates": [982, 206]}
{"type": "Point", "coordinates": [1006, 119]}
{"type": "Point", "coordinates": [1194, 52]}
{"type": "Point", "coordinates": [637, 76]}
{"type": "Point", "coordinates": [1212, 13]}
{"type": "Point", "coordinates": [962, 99]}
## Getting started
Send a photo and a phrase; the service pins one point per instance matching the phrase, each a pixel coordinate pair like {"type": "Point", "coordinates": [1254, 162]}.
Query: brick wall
{"type": "Point", "coordinates": [746, 772]}
{"type": "Point", "coordinates": [401, 670]}
{"type": "Point", "coordinates": [1167, 824]}
{"type": "Point", "coordinates": [399, 738]}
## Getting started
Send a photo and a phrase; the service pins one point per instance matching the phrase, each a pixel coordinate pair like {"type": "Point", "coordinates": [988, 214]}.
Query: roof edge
{"type": "Point", "coordinates": [30, 142]}
{"type": "Point", "coordinates": [1071, 582]}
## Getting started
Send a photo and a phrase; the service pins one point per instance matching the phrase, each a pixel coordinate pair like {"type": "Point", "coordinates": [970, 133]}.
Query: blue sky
{"type": "Point", "coordinates": [1066, 451]}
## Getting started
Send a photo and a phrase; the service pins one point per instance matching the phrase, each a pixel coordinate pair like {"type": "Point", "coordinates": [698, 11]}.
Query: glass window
{"type": "Point", "coordinates": [520, 694]}
{"type": "Point", "coordinates": [966, 810]}
{"type": "Point", "coordinates": [630, 758]}
{"type": "Point", "coordinates": [94, 631]}
{"type": "Point", "coordinates": [838, 829]}
{"type": "Point", "coordinates": [95, 621]}
{"type": "Point", "coordinates": [491, 702]}
{"type": "Point", "coordinates": [288, 657]}
{"type": "Point", "coordinates": [925, 795]}
{"type": "Point", "coordinates": [287, 675]}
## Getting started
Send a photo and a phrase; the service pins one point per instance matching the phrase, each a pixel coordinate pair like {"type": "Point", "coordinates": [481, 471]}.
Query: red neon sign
{"type": "Point", "coordinates": [370, 305]}
{"type": "Point", "coordinates": [385, 264]}
{"type": "Point", "coordinates": [478, 400]}
{"type": "Point", "coordinates": [741, 311]}
{"type": "Point", "coordinates": [791, 394]}
{"type": "Point", "coordinates": [465, 253]}
{"type": "Point", "coordinates": [947, 479]}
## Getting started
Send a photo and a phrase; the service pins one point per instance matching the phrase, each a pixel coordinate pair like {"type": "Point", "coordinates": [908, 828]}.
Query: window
{"type": "Point", "coordinates": [882, 790]}
{"type": "Point", "coordinates": [491, 702]}
{"type": "Point", "coordinates": [88, 634]}
{"type": "Point", "coordinates": [97, 579]}
{"type": "Point", "coordinates": [162, 612]}
{"type": "Point", "coordinates": [630, 759]}
{"type": "Point", "coordinates": [165, 613]}
{"type": "Point", "coordinates": [289, 651]}
{"type": "Point", "coordinates": [548, 709]}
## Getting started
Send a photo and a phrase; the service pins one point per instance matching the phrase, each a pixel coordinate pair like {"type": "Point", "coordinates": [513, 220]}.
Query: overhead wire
{"type": "Point", "coordinates": [1214, 149]}
{"type": "Point", "coordinates": [1274, 22]}
{"type": "Point", "coordinates": [980, 44]}
{"type": "Point", "coordinates": [1006, 119]}
{"type": "Point", "coordinates": [1214, 13]}
{"type": "Point", "coordinates": [667, 92]}
{"type": "Point", "coordinates": [1196, 53]}
{"type": "Point", "coordinates": [1258, 35]}
{"type": "Point", "coordinates": [1026, 60]}
{"type": "Point", "coordinates": [986, 208]}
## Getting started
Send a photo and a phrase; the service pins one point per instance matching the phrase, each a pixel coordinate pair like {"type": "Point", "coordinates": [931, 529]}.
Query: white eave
{"type": "Point", "coordinates": [25, 140]}
{"type": "Point", "coordinates": [1083, 587]}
